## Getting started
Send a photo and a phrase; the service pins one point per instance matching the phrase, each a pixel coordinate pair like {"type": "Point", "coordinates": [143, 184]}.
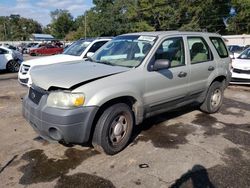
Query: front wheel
{"type": "Point", "coordinates": [113, 129]}
{"type": "Point", "coordinates": [214, 98]}
{"type": "Point", "coordinates": [13, 66]}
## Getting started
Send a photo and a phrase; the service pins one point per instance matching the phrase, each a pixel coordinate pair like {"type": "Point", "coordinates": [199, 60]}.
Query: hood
{"type": "Point", "coordinates": [68, 75]}
{"type": "Point", "coordinates": [51, 59]}
{"type": "Point", "coordinates": [243, 64]}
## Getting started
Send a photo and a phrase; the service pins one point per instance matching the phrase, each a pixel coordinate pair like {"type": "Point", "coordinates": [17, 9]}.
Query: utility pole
{"type": "Point", "coordinates": [85, 25]}
{"type": "Point", "coordinates": [5, 32]}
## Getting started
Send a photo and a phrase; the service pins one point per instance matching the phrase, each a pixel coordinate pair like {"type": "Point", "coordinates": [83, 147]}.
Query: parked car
{"type": "Point", "coordinates": [130, 78]}
{"type": "Point", "coordinates": [10, 47]}
{"type": "Point", "coordinates": [27, 47]}
{"type": "Point", "coordinates": [76, 51]}
{"type": "Point", "coordinates": [46, 49]}
{"type": "Point", "coordinates": [235, 50]}
{"type": "Point", "coordinates": [241, 68]}
{"type": "Point", "coordinates": [10, 60]}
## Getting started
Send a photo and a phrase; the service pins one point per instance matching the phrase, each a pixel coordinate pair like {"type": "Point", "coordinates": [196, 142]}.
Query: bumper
{"type": "Point", "coordinates": [70, 126]}
{"type": "Point", "coordinates": [239, 78]}
{"type": "Point", "coordinates": [24, 79]}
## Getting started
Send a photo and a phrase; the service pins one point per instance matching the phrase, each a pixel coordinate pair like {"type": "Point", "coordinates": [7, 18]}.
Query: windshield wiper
{"type": "Point", "coordinates": [105, 62]}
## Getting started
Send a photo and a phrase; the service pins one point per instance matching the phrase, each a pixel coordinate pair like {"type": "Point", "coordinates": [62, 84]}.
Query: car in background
{"type": "Point", "coordinates": [235, 50]}
{"type": "Point", "coordinates": [241, 68]}
{"type": "Point", "coordinates": [26, 47]}
{"type": "Point", "coordinates": [10, 46]}
{"type": "Point", "coordinates": [76, 51]}
{"type": "Point", "coordinates": [46, 49]}
{"type": "Point", "coordinates": [10, 60]}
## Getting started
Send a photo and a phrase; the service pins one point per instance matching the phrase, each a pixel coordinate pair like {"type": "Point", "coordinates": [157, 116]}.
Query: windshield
{"type": "Point", "coordinates": [77, 48]}
{"type": "Point", "coordinates": [127, 51]}
{"type": "Point", "coordinates": [245, 54]}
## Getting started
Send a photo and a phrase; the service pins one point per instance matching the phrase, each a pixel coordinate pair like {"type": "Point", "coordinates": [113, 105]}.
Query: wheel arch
{"type": "Point", "coordinates": [131, 101]}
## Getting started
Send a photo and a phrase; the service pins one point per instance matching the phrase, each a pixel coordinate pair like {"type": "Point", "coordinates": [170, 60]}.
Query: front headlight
{"type": "Point", "coordinates": [65, 100]}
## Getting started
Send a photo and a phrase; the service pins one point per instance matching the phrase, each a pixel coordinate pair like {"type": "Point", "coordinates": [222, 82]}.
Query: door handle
{"type": "Point", "coordinates": [182, 74]}
{"type": "Point", "coordinates": [210, 68]}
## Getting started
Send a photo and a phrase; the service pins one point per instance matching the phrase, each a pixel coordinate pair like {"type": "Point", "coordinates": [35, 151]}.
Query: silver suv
{"type": "Point", "coordinates": [130, 78]}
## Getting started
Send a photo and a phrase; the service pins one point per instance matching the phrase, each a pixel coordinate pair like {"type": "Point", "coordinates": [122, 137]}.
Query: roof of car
{"type": "Point", "coordinates": [5, 48]}
{"type": "Point", "coordinates": [164, 33]}
{"type": "Point", "coordinates": [97, 38]}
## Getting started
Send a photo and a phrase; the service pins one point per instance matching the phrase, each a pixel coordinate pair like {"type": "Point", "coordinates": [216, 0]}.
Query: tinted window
{"type": "Point", "coordinates": [172, 50]}
{"type": "Point", "coordinates": [199, 50]}
{"type": "Point", "coordinates": [219, 46]}
{"type": "Point", "coordinates": [2, 51]}
{"type": "Point", "coordinates": [96, 46]}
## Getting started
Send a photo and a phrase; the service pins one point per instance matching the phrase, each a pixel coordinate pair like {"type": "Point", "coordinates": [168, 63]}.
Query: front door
{"type": "Point", "coordinates": [170, 85]}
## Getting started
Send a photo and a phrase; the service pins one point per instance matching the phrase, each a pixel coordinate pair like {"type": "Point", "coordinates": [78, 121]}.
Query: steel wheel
{"type": "Point", "coordinates": [216, 98]}
{"type": "Point", "coordinates": [118, 129]}
{"type": "Point", "coordinates": [113, 129]}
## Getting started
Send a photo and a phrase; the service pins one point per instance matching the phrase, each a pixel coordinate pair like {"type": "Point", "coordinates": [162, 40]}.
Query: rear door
{"type": "Point", "coordinates": [165, 88]}
{"type": "Point", "coordinates": [202, 64]}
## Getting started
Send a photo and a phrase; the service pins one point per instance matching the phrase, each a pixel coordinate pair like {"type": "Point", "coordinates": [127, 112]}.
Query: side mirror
{"type": "Point", "coordinates": [90, 54]}
{"type": "Point", "coordinates": [161, 64]}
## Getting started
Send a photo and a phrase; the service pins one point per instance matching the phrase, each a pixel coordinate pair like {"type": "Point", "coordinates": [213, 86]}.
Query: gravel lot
{"type": "Point", "coordinates": [183, 148]}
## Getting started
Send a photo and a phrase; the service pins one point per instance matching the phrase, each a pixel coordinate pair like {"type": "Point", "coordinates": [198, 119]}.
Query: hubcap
{"type": "Point", "coordinates": [216, 98]}
{"type": "Point", "coordinates": [13, 66]}
{"type": "Point", "coordinates": [118, 129]}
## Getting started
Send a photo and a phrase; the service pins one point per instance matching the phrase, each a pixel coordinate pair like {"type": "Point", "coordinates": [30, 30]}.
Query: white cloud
{"type": "Point", "coordinates": [40, 11]}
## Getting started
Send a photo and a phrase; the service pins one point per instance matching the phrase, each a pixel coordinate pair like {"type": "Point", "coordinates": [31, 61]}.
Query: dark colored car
{"type": "Point", "coordinates": [46, 49]}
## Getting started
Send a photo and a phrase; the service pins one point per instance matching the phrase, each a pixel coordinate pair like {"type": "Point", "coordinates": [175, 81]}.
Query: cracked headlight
{"type": "Point", "coordinates": [65, 100]}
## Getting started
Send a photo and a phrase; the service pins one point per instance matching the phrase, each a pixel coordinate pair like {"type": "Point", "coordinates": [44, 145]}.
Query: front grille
{"type": "Point", "coordinates": [240, 71]}
{"type": "Point", "coordinates": [24, 81]}
{"type": "Point", "coordinates": [25, 69]}
{"type": "Point", "coordinates": [36, 94]}
{"type": "Point", "coordinates": [242, 80]}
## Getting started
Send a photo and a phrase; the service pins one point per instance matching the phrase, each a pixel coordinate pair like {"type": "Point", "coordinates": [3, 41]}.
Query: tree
{"type": "Point", "coordinates": [239, 20]}
{"type": "Point", "coordinates": [14, 27]}
{"type": "Point", "coordinates": [62, 23]}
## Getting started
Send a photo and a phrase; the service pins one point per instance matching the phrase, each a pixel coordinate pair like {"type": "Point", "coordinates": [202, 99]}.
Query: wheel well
{"type": "Point", "coordinates": [125, 99]}
{"type": "Point", "coordinates": [221, 79]}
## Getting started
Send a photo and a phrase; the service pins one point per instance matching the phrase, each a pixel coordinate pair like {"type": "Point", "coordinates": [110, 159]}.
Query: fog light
{"type": "Point", "coordinates": [55, 134]}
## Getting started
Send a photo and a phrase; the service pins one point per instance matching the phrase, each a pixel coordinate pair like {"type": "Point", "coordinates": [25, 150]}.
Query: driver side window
{"type": "Point", "coordinates": [172, 50]}
{"type": "Point", "coordinates": [2, 51]}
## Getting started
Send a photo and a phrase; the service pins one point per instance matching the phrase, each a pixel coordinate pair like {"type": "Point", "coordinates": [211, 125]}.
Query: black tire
{"type": "Point", "coordinates": [113, 129]}
{"type": "Point", "coordinates": [12, 66]}
{"type": "Point", "coordinates": [214, 98]}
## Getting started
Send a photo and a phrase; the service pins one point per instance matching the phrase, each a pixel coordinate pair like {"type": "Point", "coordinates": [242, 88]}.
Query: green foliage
{"type": "Point", "coordinates": [114, 17]}
{"type": "Point", "coordinates": [62, 23]}
{"type": "Point", "coordinates": [240, 23]}
{"type": "Point", "coordinates": [14, 27]}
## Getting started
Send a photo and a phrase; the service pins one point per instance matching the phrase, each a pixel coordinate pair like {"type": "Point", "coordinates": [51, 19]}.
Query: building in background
{"type": "Point", "coordinates": [240, 40]}
{"type": "Point", "coordinates": [41, 37]}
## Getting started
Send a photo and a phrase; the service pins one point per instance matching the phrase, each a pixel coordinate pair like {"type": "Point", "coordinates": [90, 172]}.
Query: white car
{"type": "Point", "coordinates": [76, 51]}
{"type": "Point", "coordinates": [10, 60]}
{"type": "Point", "coordinates": [241, 68]}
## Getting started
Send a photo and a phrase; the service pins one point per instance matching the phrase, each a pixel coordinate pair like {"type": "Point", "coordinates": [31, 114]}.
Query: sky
{"type": "Point", "coordinates": [39, 10]}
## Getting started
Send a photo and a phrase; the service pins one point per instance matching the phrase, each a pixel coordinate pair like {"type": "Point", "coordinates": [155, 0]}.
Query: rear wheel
{"type": "Point", "coordinates": [113, 129]}
{"type": "Point", "coordinates": [12, 66]}
{"type": "Point", "coordinates": [214, 98]}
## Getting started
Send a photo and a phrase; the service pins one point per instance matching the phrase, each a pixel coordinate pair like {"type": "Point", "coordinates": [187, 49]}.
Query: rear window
{"type": "Point", "coordinates": [219, 46]}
